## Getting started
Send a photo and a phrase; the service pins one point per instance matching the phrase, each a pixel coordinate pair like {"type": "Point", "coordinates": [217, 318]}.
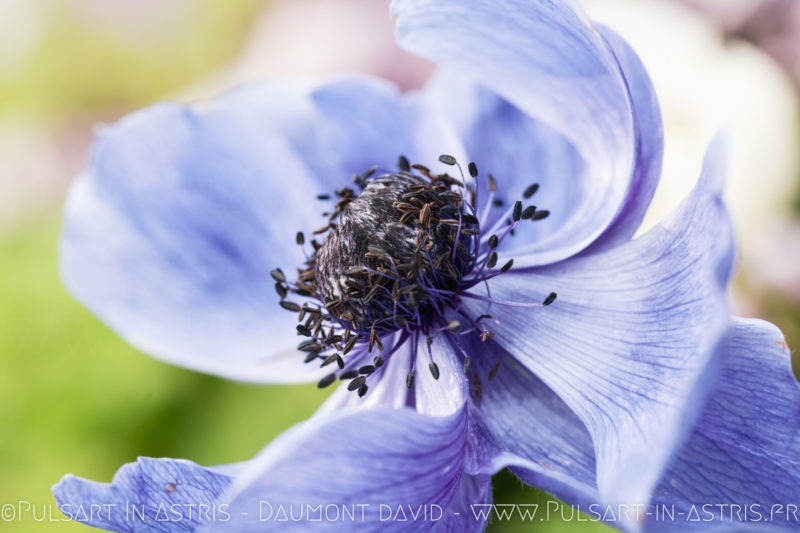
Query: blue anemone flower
{"type": "Point", "coordinates": [482, 309]}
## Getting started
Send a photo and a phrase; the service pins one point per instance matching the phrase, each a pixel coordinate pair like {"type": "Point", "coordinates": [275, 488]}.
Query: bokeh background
{"type": "Point", "coordinates": [75, 398]}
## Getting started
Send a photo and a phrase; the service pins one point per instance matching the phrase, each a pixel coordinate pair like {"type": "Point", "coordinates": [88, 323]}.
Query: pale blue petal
{"type": "Point", "coordinates": [630, 340]}
{"type": "Point", "coordinates": [366, 122]}
{"type": "Point", "coordinates": [148, 496]}
{"type": "Point", "coordinates": [387, 387]}
{"type": "Point", "coordinates": [537, 435]}
{"type": "Point", "coordinates": [170, 235]}
{"type": "Point", "coordinates": [445, 395]}
{"type": "Point", "coordinates": [547, 60]}
{"type": "Point", "coordinates": [376, 461]}
{"type": "Point", "coordinates": [467, 510]}
{"type": "Point", "coordinates": [743, 459]}
{"type": "Point", "coordinates": [517, 151]}
{"type": "Point", "coordinates": [649, 144]}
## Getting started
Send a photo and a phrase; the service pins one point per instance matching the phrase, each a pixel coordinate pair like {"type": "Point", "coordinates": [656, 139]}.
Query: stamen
{"type": "Point", "coordinates": [356, 383]}
{"type": "Point", "coordinates": [529, 212]}
{"type": "Point", "coordinates": [434, 368]}
{"type": "Point", "coordinates": [447, 159]}
{"type": "Point", "coordinates": [281, 290]}
{"type": "Point", "coordinates": [350, 374]}
{"type": "Point", "coordinates": [330, 359]}
{"type": "Point", "coordinates": [517, 213]}
{"type": "Point", "coordinates": [290, 306]}
{"type": "Point", "coordinates": [326, 381]}
{"type": "Point", "coordinates": [530, 190]}
{"type": "Point", "coordinates": [278, 275]}
{"type": "Point", "coordinates": [493, 371]}
{"type": "Point", "coordinates": [395, 260]}
{"type": "Point", "coordinates": [476, 387]}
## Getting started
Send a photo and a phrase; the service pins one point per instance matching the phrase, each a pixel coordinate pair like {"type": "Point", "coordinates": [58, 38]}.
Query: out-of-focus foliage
{"type": "Point", "coordinates": [74, 397]}
{"type": "Point", "coordinates": [83, 65]}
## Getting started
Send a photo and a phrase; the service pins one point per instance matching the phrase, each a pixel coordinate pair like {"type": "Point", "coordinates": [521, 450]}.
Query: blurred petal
{"type": "Point", "coordinates": [745, 449]}
{"type": "Point", "coordinates": [154, 495]}
{"type": "Point", "coordinates": [366, 122]}
{"type": "Point", "coordinates": [171, 234]}
{"type": "Point", "coordinates": [546, 60]}
{"type": "Point", "coordinates": [629, 342]}
{"type": "Point", "coordinates": [374, 461]}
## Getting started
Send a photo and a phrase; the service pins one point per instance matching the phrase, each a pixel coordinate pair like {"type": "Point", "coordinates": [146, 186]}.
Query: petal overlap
{"type": "Point", "coordinates": [629, 343]}
{"type": "Point", "coordinates": [547, 60]}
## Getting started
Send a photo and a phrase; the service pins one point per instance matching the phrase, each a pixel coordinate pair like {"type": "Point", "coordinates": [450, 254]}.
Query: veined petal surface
{"type": "Point", "coordinates": [380, 462]}
{"type": "Point", "coordinates": [170, 235]}
{"type": "Point", "coordinates": [629, 344]}
{"type": "Point", "coordinates": [547, 60]}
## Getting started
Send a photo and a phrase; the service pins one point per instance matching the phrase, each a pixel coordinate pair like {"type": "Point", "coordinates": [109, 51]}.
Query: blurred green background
{"type": "Point", "coordinates": [73, 396]}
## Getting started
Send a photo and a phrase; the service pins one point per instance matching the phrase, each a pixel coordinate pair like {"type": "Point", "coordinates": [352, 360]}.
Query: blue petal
{"type": "Point", "coordinates": [537, 435]}
{"type": "Point", "coordinates": [366, 122]}
{"type": "Point", "coordinates": [630, 340]}
{"type": "Point", "coordinates": [467, 510]}
{"type": "Point", "coordinates": [390, 461]}
{"type": "Point", "coordinates": [171, 233]}
{"type": "Point", "coordinates": [745, 449]}
{"type": "Point", "coordinates": [150, 495]}
{"type": "Point", "coordinates": [443, 395]}
{"type": "Point", "coordinates": [517, 150]}
{"type": "Point", "coordinates": [440, 396]}
{"type": "Point", "coordinates": [387, 386]}
{"type": "Point", "coordinates": [546, 60]}
{"type": "Point", "coordinates": [649, 153]}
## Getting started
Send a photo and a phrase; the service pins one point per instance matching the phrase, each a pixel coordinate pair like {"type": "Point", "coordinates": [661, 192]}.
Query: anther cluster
{"type": "Point", "coordinates": [396, 249]}
{"type": "Point", "coordinates": [397, 253]}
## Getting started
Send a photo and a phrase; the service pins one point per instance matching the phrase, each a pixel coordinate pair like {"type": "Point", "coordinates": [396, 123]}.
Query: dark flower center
{"type": "Point", "coordinates": [396, 253]}
{"type": "Point", "coordinates": [396, 259]}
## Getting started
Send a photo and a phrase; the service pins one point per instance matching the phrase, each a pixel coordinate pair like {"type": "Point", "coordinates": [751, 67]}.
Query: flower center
{"type": "Point", "coordinates": [396, 253]}
{"type": "Point", "coordinates": [396, 261]}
